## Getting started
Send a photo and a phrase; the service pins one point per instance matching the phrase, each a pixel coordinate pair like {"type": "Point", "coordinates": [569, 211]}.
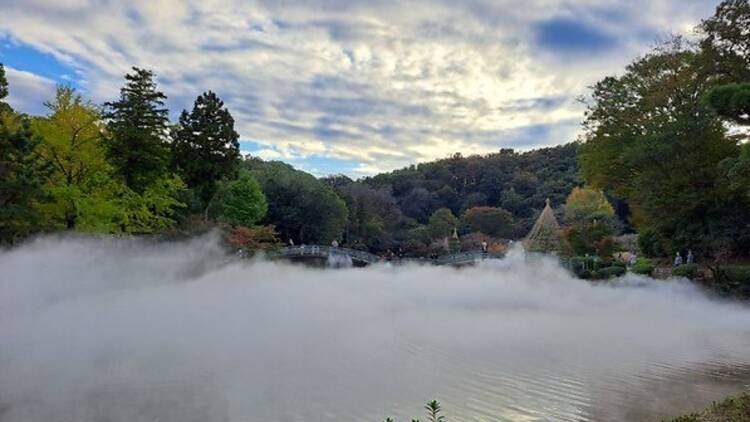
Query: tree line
{"type": "Point", "coordinates": [123, 168]}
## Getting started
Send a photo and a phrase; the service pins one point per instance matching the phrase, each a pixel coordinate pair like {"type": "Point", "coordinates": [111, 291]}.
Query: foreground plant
{"type": "Point", "coordinates": [433, 413]}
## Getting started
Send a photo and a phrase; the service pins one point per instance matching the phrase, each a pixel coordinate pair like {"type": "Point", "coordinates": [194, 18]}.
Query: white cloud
{"type": "Point", "coordinates": [29, 91]}
{"type": "Point", "coordinates": [382, 82]}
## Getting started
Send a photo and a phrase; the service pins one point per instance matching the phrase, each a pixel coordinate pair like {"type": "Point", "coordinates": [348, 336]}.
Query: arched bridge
{"type": "Point", "coordinates": [362, 257]}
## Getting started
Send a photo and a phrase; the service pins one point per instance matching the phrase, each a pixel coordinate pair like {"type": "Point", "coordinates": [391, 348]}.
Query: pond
{"type": "Point", "coordinates": [123, 330]}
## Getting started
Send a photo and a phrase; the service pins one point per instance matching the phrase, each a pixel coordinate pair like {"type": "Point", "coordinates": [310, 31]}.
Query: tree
{"type": "Point", "coordinates": [442, 223]}
{"type": "Point", "coordinates": [136, 129]}
{"type": "Point", "coordinates": [205, 147]}
{"type": "Point", "coordinates": [495, 222]}
{"type": "Point", "coordinates": [585, 205]}
{"type": "Point", "coordinates": [3, 83]}
{"type": "Point", "coordinates": [731, 101]}
{"type": "Point", "coordinates": [651, 140]}
{"type": "Point", "coordinates": [22, 175]}
{"type": "Point", "coordinates": [148, 212]}
{"type": "Point", "coordinates": [725, 45]}
{"type": "Point", "coordinates": [4, 107]}
{"type": "Point", "coordinates": [300, 206]}
{"type": "Point", "coordinates": [72, 144]}
{"type": "Point", "coordinates": [239, 202]}
{"type": "Point", "coordinates": [374, 216]}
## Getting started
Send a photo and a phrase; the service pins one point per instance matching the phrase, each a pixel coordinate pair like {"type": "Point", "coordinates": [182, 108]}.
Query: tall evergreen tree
{"type": "Point", "coordinates": [137, 126]}
{"type": "Point", "coordinates": [22, 174]}
{"type": "Point", "coordinates": [206, 148]}
{"type": "Point", "coordinates": [4, 107]}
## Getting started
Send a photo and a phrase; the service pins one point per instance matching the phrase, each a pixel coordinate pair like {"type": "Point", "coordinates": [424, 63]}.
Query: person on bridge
{"type": "Point", "coordinates": [484, 246]}
{"type": "Point", "coordinates": [335, 243]}
{"type": "Point", "coordinates": [291, 242]}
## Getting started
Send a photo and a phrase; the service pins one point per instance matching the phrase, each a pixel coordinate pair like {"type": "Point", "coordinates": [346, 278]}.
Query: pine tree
{"type": "Point", "coordinates": [22, 174]}
{"type": "Point", "coordinates": [206, 148]}
{"type": "Point", "coordinates": [137, 126]}
{"type": "Point", "coordinates": [4, 107]}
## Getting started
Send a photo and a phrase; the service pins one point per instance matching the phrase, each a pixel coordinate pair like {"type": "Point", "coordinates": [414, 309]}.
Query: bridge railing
{"type": "Point", "coordinates": [325, 251]}
{"type": "Point", "coordinates": [362, 256]}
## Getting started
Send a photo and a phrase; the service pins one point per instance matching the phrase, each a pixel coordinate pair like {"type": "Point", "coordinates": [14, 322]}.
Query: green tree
{"type": "Point", "coordinates": [731, 101]}
{"type": "Point", "coordinates": [22, 175]}
{"type": "Point", "coordinates": [3, 83]}
{"type": "Point", "coordinates": [72, 144]}
{"type": "Point", "coordinates": [442, 223]}
{"type": "Point", "coordinates": [239, 202]}
{"type": "Point", "coordinates": [205, 147]}
{"type": "Point", "coordinates": [725, 45]}
{"type": "Point", "coordinates": [495, 222]}
{"type": "Point", "coordinates": [137, 125]}
{"type": "Point", "coordinates": [651, 140]}
{"type": "Point", "coordinates": [374, 216]}
{"type": "Point", "coordinates": [148, 212]}
{"type": "Point", "coordinates": [586, 205]}
{"type": "Point", "coordinates": [4, 107]}
{"type": "Point", "coordinates": [300, 206]}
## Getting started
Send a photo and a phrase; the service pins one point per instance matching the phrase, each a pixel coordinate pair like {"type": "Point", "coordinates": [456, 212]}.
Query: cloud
{"type": "Point", "coordinates": [378, 82]}
{"type": "Point", "coordinates": [28, 91]}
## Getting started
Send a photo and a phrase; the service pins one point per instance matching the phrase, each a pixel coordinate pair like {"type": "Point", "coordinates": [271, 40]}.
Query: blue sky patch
{"type": "Point", "coordinates": [316, 164]}
{"type": "Point", "coordinates": [24, 57]}
{"type": "Point", "coordinates": [572, 36]}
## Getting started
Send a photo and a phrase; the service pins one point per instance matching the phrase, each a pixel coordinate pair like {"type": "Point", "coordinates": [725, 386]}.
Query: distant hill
{"type": "Point", "coordinates": [517, 182]}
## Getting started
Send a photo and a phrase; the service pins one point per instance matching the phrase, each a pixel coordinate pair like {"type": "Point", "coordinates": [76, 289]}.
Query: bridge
{"type": "Point", "coordinates": [366, 258]}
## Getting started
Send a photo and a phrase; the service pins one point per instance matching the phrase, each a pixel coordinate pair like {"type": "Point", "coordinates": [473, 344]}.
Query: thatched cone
{"type": "Point", "coordinates": [545, 236]}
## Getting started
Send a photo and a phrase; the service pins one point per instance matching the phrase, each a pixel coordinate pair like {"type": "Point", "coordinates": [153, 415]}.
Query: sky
{"type": "Point", "coordinates": [347, 86]}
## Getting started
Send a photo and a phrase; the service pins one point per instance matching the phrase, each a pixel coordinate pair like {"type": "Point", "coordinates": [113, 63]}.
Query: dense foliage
{"type": "Point", "coordinates": [654, 140]}
{"type": "Point", "coordinates": [22, 174]}
{"type": "Point", "coordinates": [302, 208]}
{"type": "Point", "coordinates": [137, 124]}
{"type": "Point", "coordinates": [205, 146]}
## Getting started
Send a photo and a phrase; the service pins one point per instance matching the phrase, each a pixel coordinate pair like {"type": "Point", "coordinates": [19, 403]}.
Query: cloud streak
{"type": "Point", "coordinates": [378, 82]}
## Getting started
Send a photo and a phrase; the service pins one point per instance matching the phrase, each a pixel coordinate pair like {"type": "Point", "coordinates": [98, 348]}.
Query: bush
{"type": "Point", "coordinates": [583, 266]}
{"type": "Point", "coordinates": [252, 239]}
{"type": "Point", "coordinates": [687, 270]}
{"type": "Point", "coordinates": [650, 244]}
{"type": "Point", "coordinates": [734, 281]}
{"type": "Point", "coordinates": [642, 266]}
{"type": "Point", "coordinates": [610, 272]}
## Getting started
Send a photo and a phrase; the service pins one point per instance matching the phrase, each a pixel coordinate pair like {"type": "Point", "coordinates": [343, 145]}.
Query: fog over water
{"type": "Point", "coordinates": [122, 330]}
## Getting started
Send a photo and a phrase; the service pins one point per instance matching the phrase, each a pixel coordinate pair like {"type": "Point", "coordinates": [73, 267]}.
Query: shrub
{"type": "Point", "coordinates": [687, 270]}
{"type": "Point", "coordinates": [650, 244]}
{"type": "Point", "coordinates": [734, 281]}
{"type": "Point", "coordinates": [610, 272]}
{"type": "Point", "coordinates": [642, 266]}
{"type": "Point", "coordinates": [252, 239]}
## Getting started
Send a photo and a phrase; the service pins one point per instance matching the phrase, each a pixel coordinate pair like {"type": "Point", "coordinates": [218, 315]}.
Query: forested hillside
{"type": "Point", "coordinates": [482, 197]}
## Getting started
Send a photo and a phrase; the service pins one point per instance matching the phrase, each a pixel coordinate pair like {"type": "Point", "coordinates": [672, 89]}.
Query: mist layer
{"type": "Point", "coordinates": [124, 330]}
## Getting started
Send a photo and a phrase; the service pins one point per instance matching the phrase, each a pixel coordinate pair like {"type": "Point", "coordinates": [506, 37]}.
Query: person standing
{"type": "Point", "coordinates": [633, 259]}
{"type": "Point", "coordinates": [690, 257]}
{"type": "Point", "coordinates": [677, 260]}
{"type": "Point", "coordinates": [335, 243]}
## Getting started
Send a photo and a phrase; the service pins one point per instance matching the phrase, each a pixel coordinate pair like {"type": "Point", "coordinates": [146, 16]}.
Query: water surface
{"type": "Point", "coordinates": [125, 331]}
